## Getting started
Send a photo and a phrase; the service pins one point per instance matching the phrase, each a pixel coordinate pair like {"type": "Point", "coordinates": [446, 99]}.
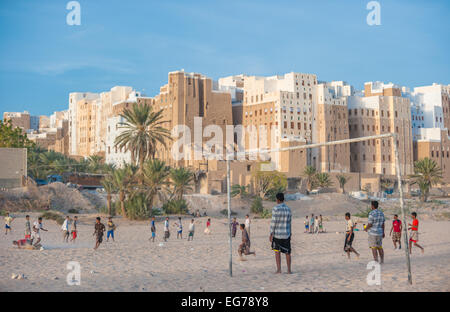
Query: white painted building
{"type": "Point", "coordinates": [113, 154]}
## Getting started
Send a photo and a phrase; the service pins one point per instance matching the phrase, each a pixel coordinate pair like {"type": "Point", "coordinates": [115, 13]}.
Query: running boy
{"type": "Point", "coordinates": [99, 231]}
{"type": "Point", "coordinates": [244, 248]}
{"type": "Point", "coordinates": [349, 236]}
{"type": "Point", "coordinates": [414, 238]}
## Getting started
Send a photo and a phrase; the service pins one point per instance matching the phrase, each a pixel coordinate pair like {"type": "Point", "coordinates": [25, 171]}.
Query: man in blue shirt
{"type": "Point", "coordinates": [375, 228]}
{"type": "Point", "coordinates": [280, 232]}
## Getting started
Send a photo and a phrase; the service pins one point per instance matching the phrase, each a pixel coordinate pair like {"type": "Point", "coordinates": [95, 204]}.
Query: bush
{"type": "Point", "coordinates": [72, 210]}
{"type": "Point", "coordinates": [51, 215]}
{"type": "Point", "coordinates": [175, 206]}
{"type": "Point", "coordinates": [266, 214]}
{"type": "Point", "coordinates": [257, 206]}
{"type": "Point", "coordinates": [136, 208]}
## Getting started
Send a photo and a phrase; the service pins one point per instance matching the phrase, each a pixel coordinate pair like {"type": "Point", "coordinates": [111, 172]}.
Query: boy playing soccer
{"type": "Point", "coordinates": [8, 221]}
{"type": "Point", "coordinates": [349, 236]}
{"type": "Point", "coordinates": [306, 222]}
{"type": "Point", "coordinates": [414, 238]}
{"type": "Point", "coordinates": [179, 228]}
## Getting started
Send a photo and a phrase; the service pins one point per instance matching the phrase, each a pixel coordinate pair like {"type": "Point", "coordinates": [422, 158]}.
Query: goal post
{"type": "Point", "coordinates": [230, 156]}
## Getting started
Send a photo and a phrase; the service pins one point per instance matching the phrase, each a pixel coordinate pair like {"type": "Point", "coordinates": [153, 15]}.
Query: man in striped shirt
{"type": "Point", "coordinates": [280, 232]}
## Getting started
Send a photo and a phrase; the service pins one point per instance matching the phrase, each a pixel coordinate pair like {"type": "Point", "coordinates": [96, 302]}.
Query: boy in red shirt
{"type": "Point", "coordinates": [414, 227]}
{"type": "Point", "coordinates": [396, 232]}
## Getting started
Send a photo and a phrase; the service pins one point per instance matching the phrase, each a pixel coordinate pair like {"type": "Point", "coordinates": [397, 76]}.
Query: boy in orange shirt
{"type": "Point", "coordinates": [414, 227]}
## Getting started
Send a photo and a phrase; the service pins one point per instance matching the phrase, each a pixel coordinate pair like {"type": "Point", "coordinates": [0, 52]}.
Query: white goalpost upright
{"type": "Point", "coordinates": [230, 156]}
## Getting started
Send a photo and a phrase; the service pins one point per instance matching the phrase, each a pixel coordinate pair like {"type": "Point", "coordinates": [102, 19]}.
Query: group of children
{"type": "Point", "coordinates": [314, 224]}
{"type": "Point", "coordinates": [32, 233]}
{"type": "Point", "coordinates": [179, 227]}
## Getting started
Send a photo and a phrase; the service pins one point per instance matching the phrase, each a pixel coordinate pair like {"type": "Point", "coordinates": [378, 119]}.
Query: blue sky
{"type": "Point", "coordinates": [137, 42]}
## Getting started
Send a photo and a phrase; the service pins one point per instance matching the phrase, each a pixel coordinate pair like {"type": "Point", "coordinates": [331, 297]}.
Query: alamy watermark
{"type": "Point", "coordinates": [374, 16]}
{"type": "Point", "coordinates": [73, 278]}
{"type": "Point", "coordinates": [374, 276]}
{"type": "Point", "coordinates": [74, 16]}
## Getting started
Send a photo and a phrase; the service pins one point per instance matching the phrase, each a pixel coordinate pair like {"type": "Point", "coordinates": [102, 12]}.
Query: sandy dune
{"type": "Point", "coordinates": [132, 263]}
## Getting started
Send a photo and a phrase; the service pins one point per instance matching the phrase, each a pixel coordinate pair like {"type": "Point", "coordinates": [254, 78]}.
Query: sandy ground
{"type": "Point", "coordinates": [132, 263]}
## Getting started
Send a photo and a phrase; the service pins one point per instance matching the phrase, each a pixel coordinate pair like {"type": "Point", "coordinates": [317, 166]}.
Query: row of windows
{"type": "Point", "coordinates": [371, 112]}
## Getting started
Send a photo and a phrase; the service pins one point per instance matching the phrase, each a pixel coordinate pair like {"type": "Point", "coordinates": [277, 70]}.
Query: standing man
{"type": "Point", "coordinates": [414, 238]}
{"type": "Point", "coordinates": [37, 226]}
{"type": "Point", "coordinates": [65, 229]}
{"type": "Point", "coordinates": [247, 224]}
{"type": "Point", "coordinates": [280, 232]}
{"type": "Point", "coordinates": [396, 232]}
{"type": "Point", "coordinates": [8, 221]}
{"type": "Point", "coordinates": [375, 228]}
{"type": "Point", "coordinates": [98, 232]}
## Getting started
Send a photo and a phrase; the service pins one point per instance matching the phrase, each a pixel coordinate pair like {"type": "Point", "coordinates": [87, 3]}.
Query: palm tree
{"type": "Point", "coordinates": [143, 130]}
{"type": "Point", "coordinates": [238, 190]}
{"type": "Point", "coordinates": [342, 179]}
{"type": "Point", "coordinates": [110, 188]}
{"type": "Point", "coordinates": [95, 163]}
{"type": "Point", "coordinates": [155, 178]}
{"type": "Point", "coordinates": [323, 180]}
{"type": "Point", "coordinates": [181, 179]}
{"type": "Point", "coordinates": [122, 179]}
{"type": "Point", "coordinates": [426, 174]}
{"type": "Point", "coordinates": [310, 173]}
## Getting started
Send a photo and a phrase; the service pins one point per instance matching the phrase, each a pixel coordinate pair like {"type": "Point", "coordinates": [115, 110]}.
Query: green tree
{"type": "Point", "coordinates": [122, 179]}
{"type": "Point", "coordinates": [156, 179]}
{"type": "Point", "coordinates": [239, 190]}
{"type": "Point", "coordinates": [310, 174]}
{"type": "Point", "coordinates": [323, 180]}
{"type": "Point", "coordinates": [342, 179]}
{"type": "Point", "coordinates": [181, 179]}
{"type": "Point", "coordinates": [13, 137]}
{"type": "Point", "coordinates": [109, 186]}
{"type": "Point", "coordinates": [426, 174]}
{"type": "Point", "coordinates": [142, 131]}
{"type": "Point", "coordinates": [268, 183]}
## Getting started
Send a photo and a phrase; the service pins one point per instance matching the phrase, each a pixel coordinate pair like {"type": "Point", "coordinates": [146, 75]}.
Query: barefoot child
{"type": "Point", "coordinates": [414, 237]}
{"type": "Point", "coordinates": [244, 248]}
{"type": "Point", "coordinates": [98, 232]}
{"type": "Point", "coordinates": [35, 236]}
{"type": "Point", "coordinates": [191, 230]}
{"type": "Point", "coordinates": [234, 225]}
{"type": "Point", "coordinates": [73, 230]}
{"type": "Point", "coordinates": [306, 222]}
{"type": "Point", "coordinates": [208, 225]}
{"type": "Point", "coordinates": [179, 228]}
{"type": "Point", "coordinates": [8, 221]}
{"type": "Point", "coordinates": [396, 232]}
{"type": "Point", "coordinates": [166, 229]}
{"type": "Point", "coordinates": [65, 229]}
{"type": "Point", "coordinates": [111, 228]}
{"type": "Point", "coordinates": [27, 227]}
{"type": "Point", "coordinates": [153, 229]}
{"type": "Point", "coordinates": [349, 236]}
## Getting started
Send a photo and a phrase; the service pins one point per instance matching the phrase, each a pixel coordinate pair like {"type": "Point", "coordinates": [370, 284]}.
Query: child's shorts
{"type": "Point", "coordinates": [153, 234]}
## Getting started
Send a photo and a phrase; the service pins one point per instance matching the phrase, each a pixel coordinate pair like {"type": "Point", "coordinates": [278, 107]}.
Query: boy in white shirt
{"type": "Point", "coordinates": [65, 229]}
{"type": "Point", "coordinates": [247, 224]}
{"type": "Point", "coordinates": [349, 236]}
{"type": "Point", "coordinates": [191, 230]}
